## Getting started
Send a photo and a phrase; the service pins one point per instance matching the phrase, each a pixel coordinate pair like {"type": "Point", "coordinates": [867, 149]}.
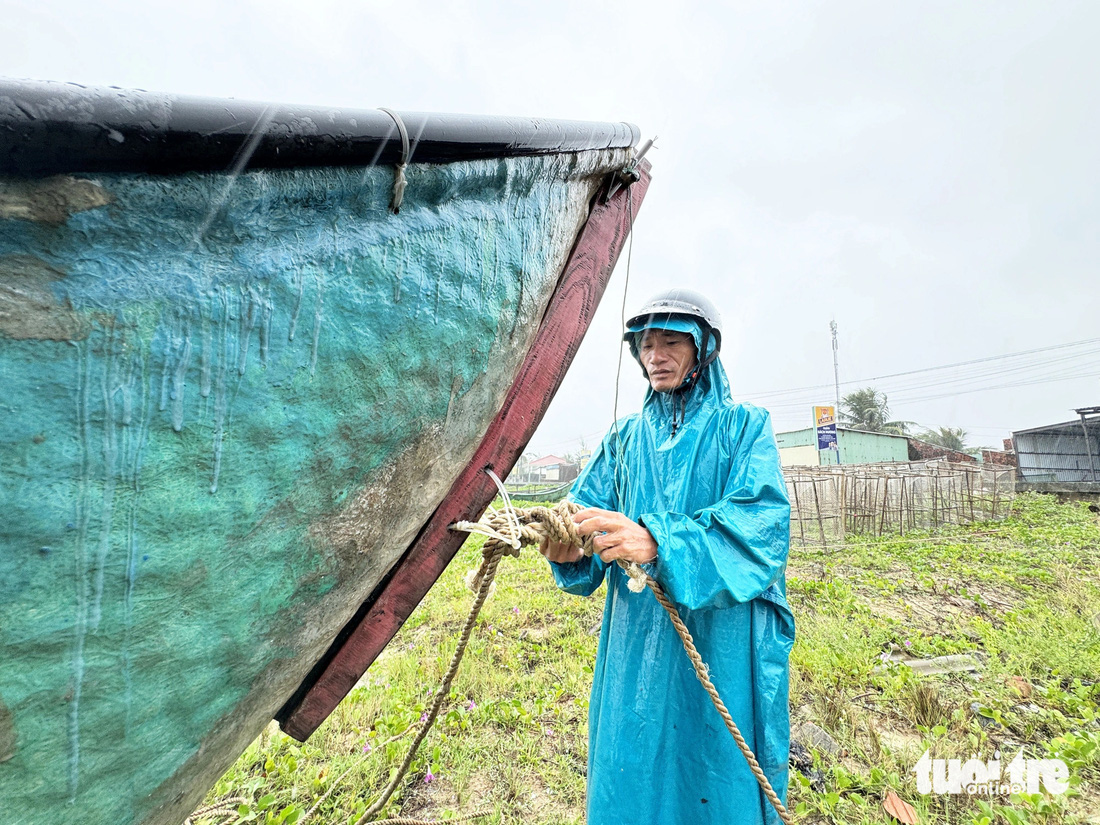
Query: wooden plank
{"type": "Point", "coordinates": [582, 284]}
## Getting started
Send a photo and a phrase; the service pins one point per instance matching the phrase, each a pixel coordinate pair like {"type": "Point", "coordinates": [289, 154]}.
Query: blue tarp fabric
{"type": "Point", "coordinates": [714, 498]}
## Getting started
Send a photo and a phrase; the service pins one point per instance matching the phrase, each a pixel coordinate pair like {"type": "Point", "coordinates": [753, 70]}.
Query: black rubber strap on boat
{"type": "Point", "coordinates": [51, 128]}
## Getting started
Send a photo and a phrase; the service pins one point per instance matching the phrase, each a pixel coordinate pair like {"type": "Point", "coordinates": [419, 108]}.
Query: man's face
{"type": "Point", "coordinates": [667, 357]}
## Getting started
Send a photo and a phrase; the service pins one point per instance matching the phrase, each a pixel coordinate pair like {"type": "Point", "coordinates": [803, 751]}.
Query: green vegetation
{"type": "Point", "coordinates": [1022, 595]}
{"type": "Point", "coordinates": [867, 409]}
{"type": "Point", "coordinates": [950, 438]}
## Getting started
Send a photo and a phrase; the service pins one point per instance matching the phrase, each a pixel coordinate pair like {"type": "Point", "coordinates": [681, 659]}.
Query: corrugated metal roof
{"type": "Point", "coordinates": [1059, 452]}
{"type": "Point", "coordinates": [1050, 428]}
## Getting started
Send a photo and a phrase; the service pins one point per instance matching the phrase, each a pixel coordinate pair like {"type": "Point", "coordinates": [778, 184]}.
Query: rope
{"type": "Point", "coordinates": [484, 582]}
{"type": "Point", "coordinates": [220, 810]}
{"type": "Point", "coordinates": [503, 519]}
{"type": "Point", "coordinates": [399, 182]}
{"type": "Point", "coordinates": [334, 785]}
{"type": "Point", "coordinates": [507, 532]}
{"type": "Point", "coordinates": [557, 524]}
{"type": "Point", "coordinates": [701, 673]}
{"type": "Point", "coordinates": [536, 524]}
{"type": "Point", "coordinates": [401, 820]}
{"type": "Point", "coordinates": [621, 471]}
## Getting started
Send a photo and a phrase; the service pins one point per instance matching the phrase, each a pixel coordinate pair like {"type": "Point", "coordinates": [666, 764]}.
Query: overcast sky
{"type": "Point", "coordinates": [926, 174]}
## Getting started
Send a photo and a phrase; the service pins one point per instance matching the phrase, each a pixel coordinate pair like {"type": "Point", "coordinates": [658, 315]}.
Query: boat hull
{"type": "Point", "coordinates": [230, 403]}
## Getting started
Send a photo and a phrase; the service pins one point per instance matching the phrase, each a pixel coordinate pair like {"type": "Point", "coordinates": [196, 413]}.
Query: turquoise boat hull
{"type": "Point", "coordinates": [229, 402]}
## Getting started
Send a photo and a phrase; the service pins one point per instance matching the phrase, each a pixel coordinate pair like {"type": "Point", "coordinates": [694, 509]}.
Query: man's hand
{"type": "Point", "coordinates": [560, 552]}
{"type": "Point", "coordinates": [616, 536]}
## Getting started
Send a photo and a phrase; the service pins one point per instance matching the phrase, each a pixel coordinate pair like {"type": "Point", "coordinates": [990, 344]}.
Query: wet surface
{"type": "Point", "coordinates": [50, 201]}
{"type": "Point", "coordinates": [28, 307]}
{"type": "Point", "coordinates": [48, 127]}
{"type": "Point", "coordinates": [7, 734]}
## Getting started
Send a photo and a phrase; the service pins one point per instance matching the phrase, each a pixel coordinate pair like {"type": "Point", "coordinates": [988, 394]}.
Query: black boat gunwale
{"type": "Point", "coordinates": [48, 127]}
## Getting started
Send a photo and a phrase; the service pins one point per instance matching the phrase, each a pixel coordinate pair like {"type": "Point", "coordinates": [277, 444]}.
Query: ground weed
{"type": "Point", "coordinates": [1021, 595]}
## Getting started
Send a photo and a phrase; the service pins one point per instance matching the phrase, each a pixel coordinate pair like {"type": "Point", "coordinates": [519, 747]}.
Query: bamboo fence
{"type": "Point", "coordinates": [832, 502]}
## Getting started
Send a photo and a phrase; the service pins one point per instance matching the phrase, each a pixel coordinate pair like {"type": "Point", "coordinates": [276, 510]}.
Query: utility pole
{"type": "Point", "coordinates": [836, 366]}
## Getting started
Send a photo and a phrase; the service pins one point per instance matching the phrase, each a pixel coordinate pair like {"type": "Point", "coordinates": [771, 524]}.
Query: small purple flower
{"type": "Point", "coordinates": [424, 717]}
{"type": "Point", "coordinates": [429, 691]}
{"type": "Point", "coordinates": [429, 777]}
{"type": "Point", "coordinates": [908, 643]}
{"type": "Point", "coordinates": [471, 706]}
{"type": "Point", "coordinates": [367, 748]}
{"type": "Point", "coordinates": [515, 610]}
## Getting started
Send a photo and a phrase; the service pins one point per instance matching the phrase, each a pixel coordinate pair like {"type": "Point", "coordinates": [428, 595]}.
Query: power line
{"type": "Point", "coordinates": [1048, 380]}
{"type": "Point", "coordinates": [918, 398]}
{"type": "Point", "coordinates": [956, 365]}
{"type": "Point", "coordinates": [975, 375]}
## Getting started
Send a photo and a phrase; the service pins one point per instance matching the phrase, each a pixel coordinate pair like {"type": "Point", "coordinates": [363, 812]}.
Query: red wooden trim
{"type": "Point", "coordinates": [582, 284]}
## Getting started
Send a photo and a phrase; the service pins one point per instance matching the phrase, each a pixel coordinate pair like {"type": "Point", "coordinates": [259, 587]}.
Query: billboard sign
{"type": "Point", "coordinates": [825, 425]}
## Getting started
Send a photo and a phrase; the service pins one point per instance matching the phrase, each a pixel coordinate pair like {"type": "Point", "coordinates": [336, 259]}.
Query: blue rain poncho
{"type": "Point", "coordinates": [714, 499]}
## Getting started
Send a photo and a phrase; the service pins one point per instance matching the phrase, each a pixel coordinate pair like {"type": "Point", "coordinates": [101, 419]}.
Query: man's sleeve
{"type": "Point", "coordinates": [737, 548]}
{"type": "Point", "coordinates": [595, 487]}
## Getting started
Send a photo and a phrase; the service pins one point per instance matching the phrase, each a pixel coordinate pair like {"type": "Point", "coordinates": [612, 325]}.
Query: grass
{"type": "Point", "coordinates": [1022, 595]}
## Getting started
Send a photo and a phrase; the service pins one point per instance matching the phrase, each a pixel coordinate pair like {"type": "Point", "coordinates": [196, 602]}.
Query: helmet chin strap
{"type": "Point", "coordinates": [692, 378]}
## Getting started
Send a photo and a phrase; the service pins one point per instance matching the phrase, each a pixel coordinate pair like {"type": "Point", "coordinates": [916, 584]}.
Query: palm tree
{"type": "Point", "coordinates": [867, 409]}
{"type": "Point", "coordinates": [950, 438]}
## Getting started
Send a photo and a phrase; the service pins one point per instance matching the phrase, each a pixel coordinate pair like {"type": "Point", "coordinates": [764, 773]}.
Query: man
{"type": "Point", "coordinates": [692, 489]}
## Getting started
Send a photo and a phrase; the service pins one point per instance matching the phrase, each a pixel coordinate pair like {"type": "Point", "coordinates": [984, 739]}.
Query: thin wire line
{"type": "Point", "coordinates": [620, 493]}
{"type": "Point", "coordinates": [932, 369]}
{"type": "Point", "coordinates": [900, 398]}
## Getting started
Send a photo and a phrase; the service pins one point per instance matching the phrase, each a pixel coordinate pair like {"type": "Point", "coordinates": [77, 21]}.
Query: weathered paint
{"type": "Point", "coordinates": [52, 200]}
{"type": "Point", "coordinates": [254, 390]}
{"type": "Point", "coordinates": [856, 447]}
{"type": "Point", "coordinates": [567, 318]}
{"type": "Point", "coordinates": [7, 735]}
{"type": "Point", "coordinates": [28, 306]}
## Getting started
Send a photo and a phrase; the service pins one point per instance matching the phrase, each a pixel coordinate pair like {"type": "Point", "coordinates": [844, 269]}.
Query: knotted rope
{"type": "Point", "coordinates": [508, 530]}
{"type": "Point", "coordinates": [536, 524]}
